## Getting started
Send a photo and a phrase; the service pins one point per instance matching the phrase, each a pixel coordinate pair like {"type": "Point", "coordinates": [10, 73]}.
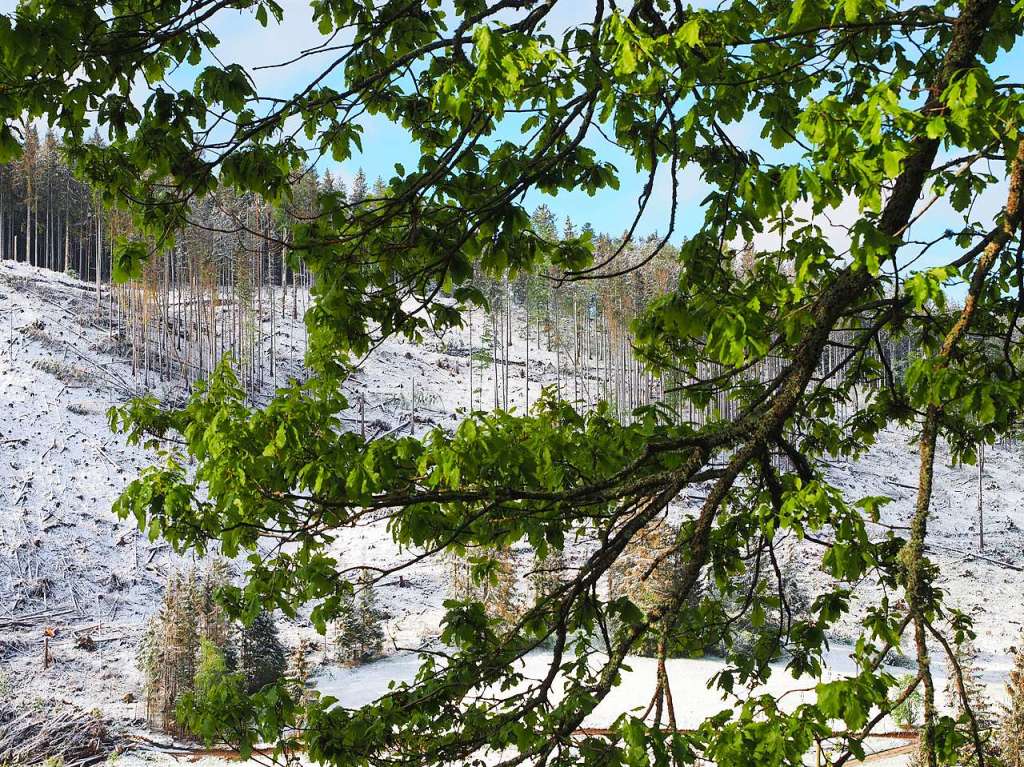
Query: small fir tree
{"type": "Point", "coordinates": [966, 656]}
{"type": "Point", "coordinates": [299, 672]}
{"type": "Point", "coordinates": [359, 188]}
{"type": "Point", "coordinates": [262, 656]}
{"type": "Point", "coordinates": [216, 689]}
{"type": "Point", "coordinates": [360, 632]}
{"type": "Point", "coordinates": [1011, 728]}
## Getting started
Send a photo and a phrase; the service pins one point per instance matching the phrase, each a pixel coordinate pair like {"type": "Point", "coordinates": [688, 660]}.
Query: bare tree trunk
{"type": "Point", "coordinates": [99, 255]}
{"type": "Point", "coordinates": [981, 494]}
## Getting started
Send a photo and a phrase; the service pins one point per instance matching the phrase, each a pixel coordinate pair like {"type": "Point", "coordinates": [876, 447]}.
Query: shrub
{"type": "Point", "coordinates": [216, 690]}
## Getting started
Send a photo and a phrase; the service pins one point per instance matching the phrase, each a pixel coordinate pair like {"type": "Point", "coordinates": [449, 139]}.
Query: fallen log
{"type": "Point", "coordinates": [61, 731]}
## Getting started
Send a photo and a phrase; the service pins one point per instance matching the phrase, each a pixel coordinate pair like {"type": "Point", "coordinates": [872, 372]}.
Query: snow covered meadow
{"type": "Point", "coordinates": [77, 585]}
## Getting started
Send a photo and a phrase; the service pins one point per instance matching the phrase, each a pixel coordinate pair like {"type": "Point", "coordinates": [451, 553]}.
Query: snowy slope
{"type": "Point", "coordinates": [67, 563]}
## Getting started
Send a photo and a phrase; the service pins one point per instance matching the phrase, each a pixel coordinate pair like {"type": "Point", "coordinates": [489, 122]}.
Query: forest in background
{"type": "Point", "coordinates": [227, 282]}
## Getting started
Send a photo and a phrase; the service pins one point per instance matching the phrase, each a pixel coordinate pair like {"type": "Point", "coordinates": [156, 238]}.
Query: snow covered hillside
{"type": "Point", "coordinates": [71, 570]}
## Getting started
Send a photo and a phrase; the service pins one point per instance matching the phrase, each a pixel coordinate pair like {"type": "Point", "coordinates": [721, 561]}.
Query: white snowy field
{"type": "Point", "coordinates": [689, 680]}
{"type": "Point", "coordinates": [67, 564]}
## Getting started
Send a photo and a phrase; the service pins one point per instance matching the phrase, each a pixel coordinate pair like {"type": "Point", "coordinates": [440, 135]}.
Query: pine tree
{"type": "Point", "coordinates": [966, 657]}
{"type": "Point", "coordinates": [1011, 728]}
{"type": "Point", "coordinates": [360, 631]}
{"type": "Point", "coordinates": [359, 188]}
{"type": "Point", "coordinates": [169, 655]}
{"type": "Point", "coordinates": [372, 629]}
{"type": "Point", "coordinates": [544, 222]}
{"type": "Point", "coordinates": [262, 657]}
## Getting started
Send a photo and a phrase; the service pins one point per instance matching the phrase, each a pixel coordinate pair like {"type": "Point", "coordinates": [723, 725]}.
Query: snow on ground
{"type": "Point", "coordinates": [67, 563]}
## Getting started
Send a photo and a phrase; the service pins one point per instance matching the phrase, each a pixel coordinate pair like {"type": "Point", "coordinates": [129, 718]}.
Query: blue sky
{"type": "Point", "coordinates": [244, 42]}
{"type": "Point", "coordinates": [385, 144]}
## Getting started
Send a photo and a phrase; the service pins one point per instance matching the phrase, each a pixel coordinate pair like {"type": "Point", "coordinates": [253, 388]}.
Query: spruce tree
{"type": "Point", "coordinates": [360, 631]}
{"type": "Point", "coordinates": [359, 188]}
{"type": "Point", "coordinates": [371, 632]}
{"type": "Point", "coordinates": [646, 572]}
{"type": "Point", "coordinates": [544, 222]}
{"type": "Point", "coordinates": [966, 658]}
{"type": "Point", "coordinates": [348, 627]}
{"type": "Point", "coordinates": [568, 229]}
{"type": "Point", "coordinates": [502, 600]}
{"type": "Point", "coordinates": [1011, 728]}
{"type": "Point", "coordinates": [262, 657]}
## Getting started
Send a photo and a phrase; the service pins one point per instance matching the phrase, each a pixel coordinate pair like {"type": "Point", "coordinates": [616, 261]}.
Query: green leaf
{"type": "Point", "coordinates": [689, 33]}
{"type": "Point", "coordinates": [936, 128]}
{"type": "Point", "coordinates": [128, 259]}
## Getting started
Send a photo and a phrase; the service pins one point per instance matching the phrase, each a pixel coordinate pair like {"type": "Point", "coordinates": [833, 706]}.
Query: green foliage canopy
{"type": "Point", "coordinates": [884, 104]}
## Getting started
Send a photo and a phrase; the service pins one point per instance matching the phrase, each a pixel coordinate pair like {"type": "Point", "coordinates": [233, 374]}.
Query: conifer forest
{"type": "Point", "coordinates": [521, 383]}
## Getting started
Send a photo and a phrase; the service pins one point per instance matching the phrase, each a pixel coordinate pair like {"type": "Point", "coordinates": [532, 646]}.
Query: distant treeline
{"type": "Point", "coordinates": [226, 283]}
